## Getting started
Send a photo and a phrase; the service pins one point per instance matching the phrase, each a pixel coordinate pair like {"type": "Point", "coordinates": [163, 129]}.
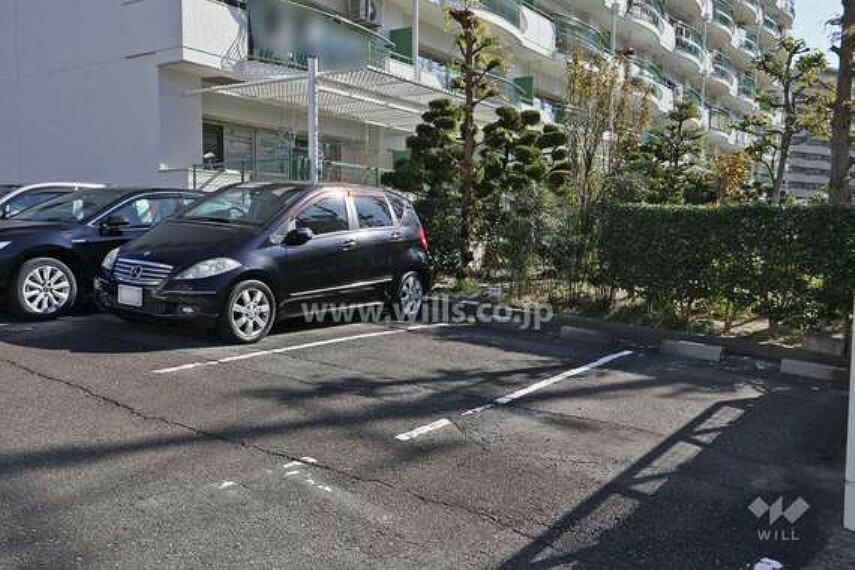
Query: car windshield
{"type": "Point", "coordinates": [6, 189]}
{"type": "Point", "coordinates": [76, 207]}
{"type": "Point", "coordinates": [245, 204]}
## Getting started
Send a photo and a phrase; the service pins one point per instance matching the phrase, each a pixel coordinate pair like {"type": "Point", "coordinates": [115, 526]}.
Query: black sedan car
{"type": "Point", "coordinates": [50, 253]}
{"type": "Point", "coordinates": [249, 254]}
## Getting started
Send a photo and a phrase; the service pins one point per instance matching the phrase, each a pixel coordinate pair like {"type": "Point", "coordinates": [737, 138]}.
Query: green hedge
{"type": "Point", "coordinates": [794, 265]}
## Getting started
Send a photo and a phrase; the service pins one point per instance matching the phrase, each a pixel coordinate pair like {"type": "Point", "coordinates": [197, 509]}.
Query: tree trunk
{"type": "Point", "coordinates": [467, 163]}
{"type": "Point", "coordinates": [841, 122]}
{"type": "Point", "coordinates": [778, 181]}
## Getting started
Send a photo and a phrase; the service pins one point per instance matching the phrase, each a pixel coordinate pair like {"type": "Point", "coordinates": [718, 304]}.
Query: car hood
{"type": "Point", "coordinates": [180, 244]}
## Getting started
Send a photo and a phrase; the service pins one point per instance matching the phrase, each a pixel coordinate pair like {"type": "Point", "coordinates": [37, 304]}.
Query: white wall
{"type": "Point", "coordinates": [79, 80]}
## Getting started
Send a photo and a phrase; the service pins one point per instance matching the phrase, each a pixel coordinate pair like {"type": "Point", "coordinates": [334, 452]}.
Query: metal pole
{"type": "Point", "coordinates": [312, 127]}
{"type": "Point", "coordinates": [417, 73]}
{"type": "Point", "coordinates": [849, 488]}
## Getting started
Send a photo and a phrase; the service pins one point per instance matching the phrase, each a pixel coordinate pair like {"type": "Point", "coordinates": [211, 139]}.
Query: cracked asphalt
{"type": "Point", "coordinates": [374, 446]}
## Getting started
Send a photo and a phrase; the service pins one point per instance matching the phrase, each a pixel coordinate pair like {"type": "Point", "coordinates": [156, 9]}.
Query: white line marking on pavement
{"type": "Point", "coordinates": [227, 484]}
{"type": "Point", "coordinates": [422, 430]}
{"type": "Point", "coordinates": [559, 377]}
{"type": "Point", "coordinates": [258, 353]}
{"type": "Point", "coordinates": [406, 436]}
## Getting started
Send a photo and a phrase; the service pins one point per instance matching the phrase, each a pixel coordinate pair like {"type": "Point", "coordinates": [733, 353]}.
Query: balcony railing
{"type": "Point", "coordinates": [724, 68]}
{"type": "Point", "coordinates": [342, 44]}
{"type": "Point", "coordinates": [747, 86]}
{"type": "Point", "coordinates": [689, 40]}
{"type": "Point", "coordinates": [650, 11]}
{"type": "Point", "coordinates": [573, 34]}
{"type": "Point", "coordinates": [749, 42]}
{"type": "Point", "coordinates": [723, 14]}
{"type": "Point", "coordinates": [720, 120]}
{"type": "Point", "coordinates": [649, 74]}
{"type": "Point", "coordinates": [292, 167]}
{"type": "Point", "coordinates": [447, 77]}
{"type": "Point", "coordinates": [509, 10]}
{"type": "Point", "coordinates": [772, 25]}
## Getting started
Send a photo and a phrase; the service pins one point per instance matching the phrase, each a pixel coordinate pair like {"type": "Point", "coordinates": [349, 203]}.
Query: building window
{"type": "Point", "coordinates": [212, 143]}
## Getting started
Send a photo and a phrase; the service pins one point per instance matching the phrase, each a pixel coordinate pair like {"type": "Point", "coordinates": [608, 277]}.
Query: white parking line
{"type": "Point", "coordinates": [412, 434]}
{"type": "Point", "coordinates": [257, 353]}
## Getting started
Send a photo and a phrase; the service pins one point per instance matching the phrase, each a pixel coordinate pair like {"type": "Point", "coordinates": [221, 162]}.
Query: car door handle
{"type": "Point", "coordinates": [348, 244]}
{"type": "Point", "coordinates": [395, 236]}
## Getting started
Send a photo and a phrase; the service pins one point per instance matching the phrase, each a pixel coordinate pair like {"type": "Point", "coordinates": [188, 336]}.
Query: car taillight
{"type": "Point", "coordinates": [423, 238]}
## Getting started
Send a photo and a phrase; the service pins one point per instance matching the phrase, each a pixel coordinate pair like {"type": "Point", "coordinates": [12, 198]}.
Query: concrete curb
{"type": "Point", "coordinates": [793, 361]}
{"type": "Point", "coordinates": [585, 335]}
{"type": "Point", "coordinates": [813, 370]}
{"type": "Point", "coordinates": [689, 349]}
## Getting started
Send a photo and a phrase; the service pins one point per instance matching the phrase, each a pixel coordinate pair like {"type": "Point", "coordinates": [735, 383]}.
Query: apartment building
{"type": "Point", "coordinates": [190, 92]}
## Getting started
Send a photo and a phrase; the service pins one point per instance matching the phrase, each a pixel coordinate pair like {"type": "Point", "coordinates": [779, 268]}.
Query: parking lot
{"type": "Point", "coordinates": [401, 446]}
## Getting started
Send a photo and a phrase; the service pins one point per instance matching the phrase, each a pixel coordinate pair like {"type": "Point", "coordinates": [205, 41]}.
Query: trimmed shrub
{"type": "Point", "coordinates": [794, 265]}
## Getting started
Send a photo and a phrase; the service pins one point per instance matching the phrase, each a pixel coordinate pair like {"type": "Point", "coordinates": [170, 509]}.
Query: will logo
{"type": "Point", "coordinates": [776, 511]}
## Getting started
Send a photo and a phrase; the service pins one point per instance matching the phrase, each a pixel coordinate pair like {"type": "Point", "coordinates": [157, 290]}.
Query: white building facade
{"type": "Point", "coordinates": [146, 91]}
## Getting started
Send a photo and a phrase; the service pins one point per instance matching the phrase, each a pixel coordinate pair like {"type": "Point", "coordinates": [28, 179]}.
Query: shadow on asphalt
{"type": "Point", "coordinates": [696, 515]}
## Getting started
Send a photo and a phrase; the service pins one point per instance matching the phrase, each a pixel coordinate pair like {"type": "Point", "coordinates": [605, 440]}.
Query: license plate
{"type": "Point", "coordinates": [130, 296]}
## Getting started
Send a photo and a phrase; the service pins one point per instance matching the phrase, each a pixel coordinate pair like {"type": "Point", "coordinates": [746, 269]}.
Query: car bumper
{"type": "Point", "coordinates": [160, 303]}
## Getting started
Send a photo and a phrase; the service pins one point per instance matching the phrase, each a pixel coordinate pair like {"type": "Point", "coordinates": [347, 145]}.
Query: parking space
{"type": "Point", "coordinates": [393, 445]}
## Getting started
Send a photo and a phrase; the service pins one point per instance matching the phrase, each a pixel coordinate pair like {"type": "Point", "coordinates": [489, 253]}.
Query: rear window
{"type": "Point", "coordinates": [372, 211]}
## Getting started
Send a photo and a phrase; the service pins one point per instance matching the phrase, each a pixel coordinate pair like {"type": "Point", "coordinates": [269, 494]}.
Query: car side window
{"type": "Point", "coordinates": [29, 199]}
{"type": "Point", "coordinates": [372, 211]}
{"type": "Point", "coordinates": [325, 216]}
{"type": "Point", "coordinates": [149, 210]}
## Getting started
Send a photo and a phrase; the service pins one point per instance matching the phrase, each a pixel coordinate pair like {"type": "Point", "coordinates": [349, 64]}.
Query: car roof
{"type": "Point", "coordinates": [309, 187]}
{"type": "Point", "coordinates": [129, 190]}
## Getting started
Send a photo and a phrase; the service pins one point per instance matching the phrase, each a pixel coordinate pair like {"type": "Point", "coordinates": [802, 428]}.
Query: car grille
{"type": "Point", "coordinates": [138, 272]}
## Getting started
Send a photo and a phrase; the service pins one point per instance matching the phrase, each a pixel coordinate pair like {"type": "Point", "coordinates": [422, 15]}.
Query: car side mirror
{"type": "Point", "coordinates": [298, 236]}
{"type": "Point", "coordinates": [113, 225]}
{"type": "Point", "coordinates": [5, 212]}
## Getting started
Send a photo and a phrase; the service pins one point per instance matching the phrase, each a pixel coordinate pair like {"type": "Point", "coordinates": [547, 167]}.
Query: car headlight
{"type": "Point", "coordinates": [110, 259]}
{"type": "Point", "coordinates": [208, 268]}
{"type": "Point", "coordinates": [4, 244]}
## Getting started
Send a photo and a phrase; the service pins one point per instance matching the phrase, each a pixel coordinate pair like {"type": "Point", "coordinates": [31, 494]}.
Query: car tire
{"type": "Point", "coordinates": [43, 288]}
{"type": "Point", "coordinates": [248, 313]}
{"type": "Point", "coordinates": [408, 296]}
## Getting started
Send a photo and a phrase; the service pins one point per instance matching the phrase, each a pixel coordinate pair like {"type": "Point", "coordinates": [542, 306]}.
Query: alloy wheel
{"type": "Point", "coordinates": [411, 295]}
{"type": "Point", "coordinates": [250, 313]}
{"type": "Point", "coordinates": [46, 289]}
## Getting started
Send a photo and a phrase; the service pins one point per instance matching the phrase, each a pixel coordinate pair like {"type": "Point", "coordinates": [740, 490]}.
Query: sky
{"type": "Point", "coordinates": [811, 16]}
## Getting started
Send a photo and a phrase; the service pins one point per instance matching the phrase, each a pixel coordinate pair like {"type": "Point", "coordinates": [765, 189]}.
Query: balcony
{"type": "Point", "coordinates": [785, 10]}
{"type": "Point", "coordinates": [651, 76]}
{"type": "Point", "coordinates": [689, 45]}
{"type": "Point", "coordinates": [747, 94]}
{"type": "Point", "coordinates": [723, 77]}
{"type": "Point", "coordinates": [771, 30]}
{"type": "Point", "coordinates": [748, 11]}
{"type": "Point", "coordinates": [508, 10]}
{"type": "Point", "coordinates": [723, 24]}
{"type": "Point", "coordinates": [526, 26]}
{"type": "Point", "coordinates": [721, 131]}
{"type": "Point", "coordinates": [443, 76]}
{"type": "Point", "coordinates": [691, 95]}
{"type": "Point", "coordinates": [573, 34]}
{"type": "Point", "coordinates": [649, 16]}
{"type": "Point", "coordinates": [749, 43]}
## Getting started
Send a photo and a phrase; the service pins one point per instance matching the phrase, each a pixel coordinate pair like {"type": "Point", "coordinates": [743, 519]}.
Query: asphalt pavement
{"type": "Point", "coordinates": [392, 445]}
